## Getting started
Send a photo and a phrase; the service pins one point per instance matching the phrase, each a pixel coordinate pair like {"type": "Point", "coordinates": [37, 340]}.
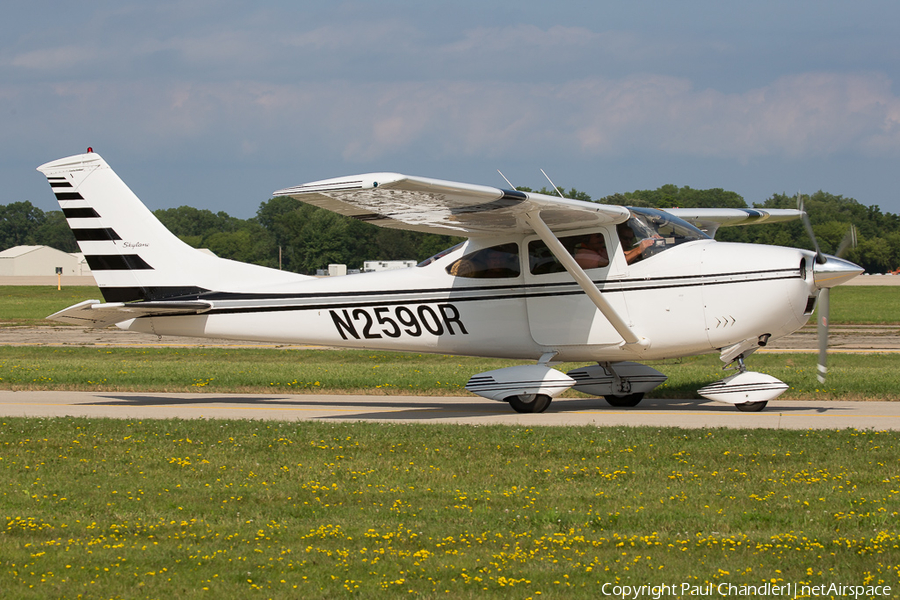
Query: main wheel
{"type": "Point", "coordinates": [529, 403]}
{"type": "Point", "coordinates": [751, 406]}
{"type": "Point", "coordinates": [629, 400]}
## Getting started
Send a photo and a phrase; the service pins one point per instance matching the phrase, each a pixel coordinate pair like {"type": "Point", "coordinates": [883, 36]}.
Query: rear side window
{"type": "Point", "coordinates": [496, 262]}
{"type": "Point", "coordinates": [589, 251]}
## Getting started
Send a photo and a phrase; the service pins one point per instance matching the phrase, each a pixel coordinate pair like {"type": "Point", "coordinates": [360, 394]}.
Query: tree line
{"type": "Point", "coordinates": [299, 237]}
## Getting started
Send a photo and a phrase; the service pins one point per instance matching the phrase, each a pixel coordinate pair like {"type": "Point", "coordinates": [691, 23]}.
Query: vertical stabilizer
{"type": "Point", "coordinates": [131, 254]}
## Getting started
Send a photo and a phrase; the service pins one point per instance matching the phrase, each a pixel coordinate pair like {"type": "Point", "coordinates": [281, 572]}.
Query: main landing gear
{"type": "Point", "coordinates": [529, 403]}
{"type": "Point", "coordinates": [531, 388]}
{"type": "Point", "coordinates": [626, 401]}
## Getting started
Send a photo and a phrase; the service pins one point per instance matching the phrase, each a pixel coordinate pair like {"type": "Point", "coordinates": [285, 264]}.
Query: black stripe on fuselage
{"type": "Point", "coordinates": [458, 295]}
{"type": "Point", "coordinates": [99, 234]}
{"type": "Point", "coordinates": [131, 294]}
{"type": "Point", "coordinates": [604, 285]}
{"type": "Point", "coordinates": [116, 262]}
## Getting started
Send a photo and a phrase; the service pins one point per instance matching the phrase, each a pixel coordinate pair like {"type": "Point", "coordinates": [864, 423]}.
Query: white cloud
{"type": "Point", "coordinates": [808, 115]}
{"type": "Point", "coordinates": [802, 116]}
{"type": "Point", "coordinates": [55, 59]}
{"type": "Point", "coordinates": [516, 37]}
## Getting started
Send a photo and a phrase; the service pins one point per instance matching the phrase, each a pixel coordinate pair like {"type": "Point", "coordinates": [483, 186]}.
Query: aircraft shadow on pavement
{"type": "Point", "coordinates": [424, 407]}
{"type": "Point", "coordinates": [293, 402]}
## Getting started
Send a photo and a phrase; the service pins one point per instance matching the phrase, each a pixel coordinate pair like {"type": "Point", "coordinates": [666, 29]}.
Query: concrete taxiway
{"type": "Point", "coordinates": [784, 414]}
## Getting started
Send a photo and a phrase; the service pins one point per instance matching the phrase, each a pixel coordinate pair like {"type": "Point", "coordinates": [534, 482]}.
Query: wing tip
{"type": "Point", "coordinates": [341, 184]}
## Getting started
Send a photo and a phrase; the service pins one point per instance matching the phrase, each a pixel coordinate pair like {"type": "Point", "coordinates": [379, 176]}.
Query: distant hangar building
{"type": "Point", "coordinates": [37, 261]}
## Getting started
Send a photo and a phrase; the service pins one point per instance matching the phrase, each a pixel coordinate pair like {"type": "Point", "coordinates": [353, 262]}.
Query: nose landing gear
{"type": "Point", "coordinates": [748, 391]}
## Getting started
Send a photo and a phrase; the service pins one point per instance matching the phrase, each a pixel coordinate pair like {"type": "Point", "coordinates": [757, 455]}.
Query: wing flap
{"type": "Point", "coordinates": [93, 313]}
{"type": "Point", "coordinates": [447, 207]}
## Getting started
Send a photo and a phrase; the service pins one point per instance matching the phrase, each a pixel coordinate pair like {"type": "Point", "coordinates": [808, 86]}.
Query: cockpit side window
{"type": "Point", "coordinates": [589, 251]}
{"type": "Point", "coordinates": [496, 262]}
{"type": "Point", "coordinates": [649, 232]}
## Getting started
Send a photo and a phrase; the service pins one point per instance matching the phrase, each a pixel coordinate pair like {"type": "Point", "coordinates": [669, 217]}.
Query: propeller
{"type": "Point", "coordinates": [828, 272]}
{"type": "Point", "coordinates": [820, 258]}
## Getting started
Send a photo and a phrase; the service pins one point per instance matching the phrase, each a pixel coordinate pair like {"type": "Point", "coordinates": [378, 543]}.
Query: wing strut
{"type": "Point", "coordinates": [581, 278]}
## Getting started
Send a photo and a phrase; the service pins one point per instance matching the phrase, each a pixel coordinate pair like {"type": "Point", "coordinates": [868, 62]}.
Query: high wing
{"type": "Point", "coordinates": [450, 208]}
{"type": "Point", "coordinates": [709, 220]}
{"type": "Point", "coordinates": [446, 207]}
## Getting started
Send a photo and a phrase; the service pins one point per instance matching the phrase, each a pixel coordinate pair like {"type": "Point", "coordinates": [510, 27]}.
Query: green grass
{"type": "Point", "coordinates": [220, 509]}
{"type": "Point", "coordinates": [29, 305]}
{"type": "Point", "coordinates": [259, 370]}
{"type": "Point", "coordinates": [224, 509]}
{"type": "Point", "coordinates": [865, 305]}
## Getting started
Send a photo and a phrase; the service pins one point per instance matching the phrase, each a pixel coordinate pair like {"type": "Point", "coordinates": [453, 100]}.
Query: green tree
{"type": "Point", "coordinates": [248, 244]}
{"type": "Point", "coordinates": [187, 221]}
{"type": "Point", "coordinates": [55, 232]}
{"type": "Point", "coordinates": [19, 223]}
{"type": "Point", "coordinates": [571, 193]}
{"type": "Point", "coordinates": [672, 196]}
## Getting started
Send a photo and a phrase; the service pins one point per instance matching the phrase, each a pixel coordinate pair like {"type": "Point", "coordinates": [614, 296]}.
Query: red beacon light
{"type": "Point", "coordinates": [90, 150]}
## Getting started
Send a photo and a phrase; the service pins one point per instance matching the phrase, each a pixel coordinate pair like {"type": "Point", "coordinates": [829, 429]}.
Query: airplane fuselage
{"type": "Point", "coordinates": [691, 299]}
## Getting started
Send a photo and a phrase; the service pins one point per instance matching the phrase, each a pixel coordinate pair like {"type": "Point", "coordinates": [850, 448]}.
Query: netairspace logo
{"type": "Point", "coordinates": [787, 590]}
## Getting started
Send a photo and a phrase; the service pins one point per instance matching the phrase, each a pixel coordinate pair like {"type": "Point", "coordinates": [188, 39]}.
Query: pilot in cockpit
{"type": "Point", "coordinates": [633, 253]}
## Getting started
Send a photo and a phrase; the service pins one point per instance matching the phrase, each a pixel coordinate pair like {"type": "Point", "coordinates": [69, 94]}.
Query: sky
{"type": "Point", "coordinates": [217, 104]}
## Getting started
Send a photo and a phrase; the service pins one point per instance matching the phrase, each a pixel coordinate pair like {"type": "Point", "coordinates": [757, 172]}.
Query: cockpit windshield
{"type": "Point", "coordinates": [650, 231]}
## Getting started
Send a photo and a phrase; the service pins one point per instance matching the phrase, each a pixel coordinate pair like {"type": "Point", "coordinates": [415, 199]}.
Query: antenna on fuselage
{"type": "Point", "coordinates": [506, 180]}
{"type": "Point", "coordinates": [553, 184]}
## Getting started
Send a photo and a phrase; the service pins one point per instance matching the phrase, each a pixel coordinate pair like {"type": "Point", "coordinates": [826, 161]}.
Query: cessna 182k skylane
{"type": "Point", "coordinates": [540, 278]}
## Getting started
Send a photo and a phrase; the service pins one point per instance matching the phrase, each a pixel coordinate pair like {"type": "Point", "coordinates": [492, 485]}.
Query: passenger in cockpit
{"type": "Point", "coordinates": [497, 264]}
{"type": "Point", "coordinates": [592, 253]}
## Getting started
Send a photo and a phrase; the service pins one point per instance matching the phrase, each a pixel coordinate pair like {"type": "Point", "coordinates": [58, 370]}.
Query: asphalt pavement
{"type": "Point", "coordinates": [787, 414]}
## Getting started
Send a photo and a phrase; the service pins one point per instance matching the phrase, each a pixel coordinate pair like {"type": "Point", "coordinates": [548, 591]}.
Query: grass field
{"type": "Point", "coordinates": [28, 305]}
{"type": "Point", "coordinates": [225, 509]}
{"type": "Point", "coordinates": [258, 370]}
{"type": "Point", "coordinates": [95, 508]}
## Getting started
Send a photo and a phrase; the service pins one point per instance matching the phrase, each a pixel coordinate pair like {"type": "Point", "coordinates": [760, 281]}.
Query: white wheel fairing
{"type": "Point", "coordinates": [748, 387]}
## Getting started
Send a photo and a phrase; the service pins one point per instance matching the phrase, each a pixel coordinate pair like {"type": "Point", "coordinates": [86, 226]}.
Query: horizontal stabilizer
{"type": "Point", "coordinates": [93, 313]}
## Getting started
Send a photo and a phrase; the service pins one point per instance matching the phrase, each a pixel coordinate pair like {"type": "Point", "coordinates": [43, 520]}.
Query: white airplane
{"type": "Point", "coordinates": [540, 278]}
